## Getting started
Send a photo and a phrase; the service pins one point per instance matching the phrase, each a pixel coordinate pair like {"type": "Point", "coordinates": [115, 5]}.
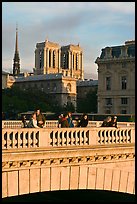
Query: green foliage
{"type": "Point", "coordinates": [88, 104]}
{"type": "Point", "coordinates": [69, 107]}
{"type": "Point", "coordinates": [16, 100]}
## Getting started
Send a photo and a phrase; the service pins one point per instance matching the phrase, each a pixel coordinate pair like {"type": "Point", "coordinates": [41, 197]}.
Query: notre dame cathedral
{"type": "Point", "coordinates": [50, 58]}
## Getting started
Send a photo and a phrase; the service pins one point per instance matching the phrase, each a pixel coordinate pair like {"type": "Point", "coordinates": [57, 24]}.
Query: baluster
{"type": "Point", "coordinates": [102, 137]}
{"type": "Point", "coordinates": [68, 138]}
{"type": "Point", "coordinates": [13, 140]}
{"type": "Point", "coordinates": [117, 136]}
{"type": "Point", "coordinates": [121, 136]}
{"type": "Point", "coordinates": [129, 136]}
{"type": "Point", "coordinates": [109, 136]}
{"type": "Point", "coordinates": [8, 140]}
{"type": "Point", "coordinates": [125, 136]}
{"type": "Point", "coordinates": [81, 138]}
{"type": "Point", "coordinates": [34, 139]}
{"type": "Point", "coordinates": [53, 139]}
{"type": "Point", "coordinates": [57, 138]}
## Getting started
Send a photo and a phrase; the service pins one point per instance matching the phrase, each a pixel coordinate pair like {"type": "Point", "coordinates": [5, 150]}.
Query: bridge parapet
{"type": "Point", "coordinates": [54, 123]}
{"type": "Point", "coordinates": [53, 137]}
{"type": "Point", "coordinates": [46, 159]}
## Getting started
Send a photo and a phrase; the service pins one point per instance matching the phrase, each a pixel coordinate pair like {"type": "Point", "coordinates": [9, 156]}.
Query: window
{"type": "Point", "coordinates": [65, 60]}
{"type": "Point", "coordinates": [54, 59]}
{"type": "Point", "coordinates": [76, 61]}
{"type": "Point", "coordinates": [108, 111]}
{"type": "Point", "coordinates": [123, 111]}
{"type": "Point", "coordinates": [73, 61]}
{"type": "Point", "coordinates": [124, 82]}
{"type": "Point", "coordinates": [108, 101]}
{"type": "Point", "coordinates": [124, 101]}
{"type": "Point", "coordinates": [108, 83]}
{"type": "Point", "coordinates": [40, 59]}
{"type": "Point", "coordinates": [50, 58]}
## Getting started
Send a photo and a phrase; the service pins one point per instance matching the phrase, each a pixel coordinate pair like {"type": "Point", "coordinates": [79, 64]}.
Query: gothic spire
{"type": "Point", "coordinates": [16, 46]}
{"type": "Point", "coordinates": [16, 64]}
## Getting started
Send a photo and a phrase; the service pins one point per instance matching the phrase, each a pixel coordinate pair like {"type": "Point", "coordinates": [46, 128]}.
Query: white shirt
{"type": "Point", "coordinates": [35, 123]}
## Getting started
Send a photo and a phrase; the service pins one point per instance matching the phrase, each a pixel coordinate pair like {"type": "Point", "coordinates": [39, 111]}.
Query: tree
{"type": "Point", "coordinates": [89, 103]}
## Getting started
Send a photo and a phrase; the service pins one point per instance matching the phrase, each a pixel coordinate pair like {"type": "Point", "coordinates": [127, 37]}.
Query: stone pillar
{"type": "Point", "coordinates": [59, 57]}
{"type": "Point", "coordinates": [51, 58]}
{"type": "Point", "coordinates": [69, 60]}
{"type": "Point", "coordinates": [78, 61]}
{"type": "Point", "coordinates": [81, 66]}
{"type": "Point", "coordinates": [123, 51]}
{"type": "Point", "coordinates": [56, 58]}
{"type": "Point", "coordinates": [47, 65]}
{"type": "Point", "coordinates": [45, 61]}
{"type": "Point", "coordinates": [71, 65]}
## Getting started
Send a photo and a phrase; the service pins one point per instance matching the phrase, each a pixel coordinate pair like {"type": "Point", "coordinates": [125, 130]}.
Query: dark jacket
{"type": "Point", "coordinates": [83, 123]}
{"type": "Point", "coordinates": [106, 124]}
{"type": "Point", "coordinates": [113, 124]}
{"type": "Point", "coordinates": [41, 117]}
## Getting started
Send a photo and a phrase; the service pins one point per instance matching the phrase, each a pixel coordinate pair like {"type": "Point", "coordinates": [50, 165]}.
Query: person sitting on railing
{"type": "Point", "coordinates": [33, 121]}
{"type": "Point", "coordinates": [24, 122]}
{"type": "Point", "coordinates": [60, 119]}
{"type": "Point", "coordinates": [107, 122]}
{"type": "Point", "coordinates": [83, 121]}
{"type": "Point", "coordinates": [70, 121]}
{"type": "Point", "coordinates": [40, 118]}
{"type": "Point", "coordinates": [113, 122]}
{"type": "Point", "coordinates": [77, 121]}
{"type": "Point", "coordinates": [64, 121]}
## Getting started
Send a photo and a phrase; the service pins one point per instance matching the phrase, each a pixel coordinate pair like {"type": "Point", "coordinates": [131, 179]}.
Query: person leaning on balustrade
{"type": "Point", "coordinates": [24, 122]}
{"type": "Point", "coordinates": [33, 121]}
{"type": "Point", "coordinates": [83, 121]}
{"type": "Point", "coordinates": [64, 121]}
{"type": "Point", "coordinates": [113, 122]}
{"type": "Point", "coordinates": [107, 122]}
{"type": "Point", "coordinates": [70, 121]}
{"type": "Point", "coordinates": [40, 118]}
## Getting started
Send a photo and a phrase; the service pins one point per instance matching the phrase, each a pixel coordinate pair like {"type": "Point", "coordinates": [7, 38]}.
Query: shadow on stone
{"type": "Point", "coordinates": [73, 195]}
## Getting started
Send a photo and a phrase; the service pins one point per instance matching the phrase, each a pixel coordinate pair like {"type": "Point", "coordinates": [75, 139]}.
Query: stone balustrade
{"type": "Point", "coordinates": [54, 123]}
{"type": "Point", "coordinates": [54, 137]}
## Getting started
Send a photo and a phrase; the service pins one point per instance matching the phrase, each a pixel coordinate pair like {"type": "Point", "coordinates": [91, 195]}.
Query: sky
{"type": "Point", "coordinates": [94, 25]}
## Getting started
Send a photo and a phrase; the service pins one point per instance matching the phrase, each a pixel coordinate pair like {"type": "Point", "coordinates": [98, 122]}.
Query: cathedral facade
{"type": "Point", "coordinates": [51, 58]}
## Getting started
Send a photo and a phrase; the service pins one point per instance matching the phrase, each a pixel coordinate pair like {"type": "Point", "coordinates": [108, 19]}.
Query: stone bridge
{"type": "Point", "coordinates": [48, 159]}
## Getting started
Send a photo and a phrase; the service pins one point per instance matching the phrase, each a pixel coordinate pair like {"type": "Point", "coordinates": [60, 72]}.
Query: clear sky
{"type": "Point", "coordinates": [94, 25]}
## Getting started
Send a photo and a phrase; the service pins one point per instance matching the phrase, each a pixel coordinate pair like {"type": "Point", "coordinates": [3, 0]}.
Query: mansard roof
{"type": "Point", "coordinates": [116, 50]}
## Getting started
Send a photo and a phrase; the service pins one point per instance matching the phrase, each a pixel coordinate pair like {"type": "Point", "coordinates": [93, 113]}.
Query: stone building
{"type": "Point", "coordinates": [51, 58]}
{"type": "Point", "coordinates": [7, 80]}
{"type": "Point", "coordinates": [116, 79]}
{"type": "Point", "coordinates": [86, 86]}
{"type": "Point", "coordinates": [61, 90]}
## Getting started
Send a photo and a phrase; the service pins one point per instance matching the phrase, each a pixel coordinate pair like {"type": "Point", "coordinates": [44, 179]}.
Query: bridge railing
{"type": "Point", "coordinates": [54, 137]}
{"type": "Point", "coordinates": [54, 123]}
